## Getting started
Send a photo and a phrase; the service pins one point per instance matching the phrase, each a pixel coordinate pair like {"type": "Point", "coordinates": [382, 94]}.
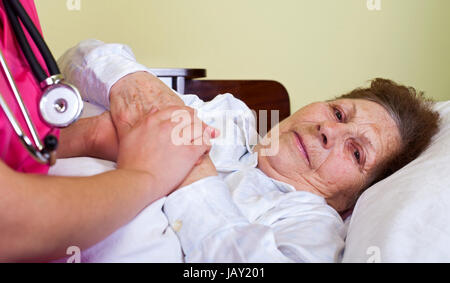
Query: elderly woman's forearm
{"type": "Point", "coordinates": [135, 95]}
{"type": "Point", "coordinates": [146, 88]}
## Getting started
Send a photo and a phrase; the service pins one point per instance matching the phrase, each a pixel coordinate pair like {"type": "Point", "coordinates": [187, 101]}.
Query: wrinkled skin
{"type": "Point", "coordinates": [339, 162]}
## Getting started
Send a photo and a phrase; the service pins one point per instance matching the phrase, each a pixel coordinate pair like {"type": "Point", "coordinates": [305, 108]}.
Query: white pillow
{"type": "Point", "coordinates": [406, 217]}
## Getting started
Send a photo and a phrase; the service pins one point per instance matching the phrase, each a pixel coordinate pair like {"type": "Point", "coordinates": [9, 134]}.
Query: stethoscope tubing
{"type": "Point", "coordinates": [37, 154]}
{"type": "Point", "coordinates": [51, 84]}
{"type": "Point", "coordinates": [22, 107]}
{"type": "Point", "coordinates": [15, 10]}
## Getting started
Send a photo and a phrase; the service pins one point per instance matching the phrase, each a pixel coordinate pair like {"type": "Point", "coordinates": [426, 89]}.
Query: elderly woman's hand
{"type": "Point", "coordinates": [134, 95]}
{"type": "Point", "coordinates": [204, 168]}
{"type": "Point", "coordinates": [159, 155]}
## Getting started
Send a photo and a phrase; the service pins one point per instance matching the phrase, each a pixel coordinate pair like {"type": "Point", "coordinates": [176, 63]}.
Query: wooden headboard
{"type": "Point", "coordinates": [257, 94]}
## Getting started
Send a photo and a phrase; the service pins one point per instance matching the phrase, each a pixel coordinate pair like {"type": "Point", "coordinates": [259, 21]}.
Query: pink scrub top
{"type": "Point", "coordinates": [12, 151]}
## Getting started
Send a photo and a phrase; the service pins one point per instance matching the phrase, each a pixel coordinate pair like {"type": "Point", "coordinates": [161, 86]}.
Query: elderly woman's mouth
{"type": "Point", "coordinates": [301, 146]}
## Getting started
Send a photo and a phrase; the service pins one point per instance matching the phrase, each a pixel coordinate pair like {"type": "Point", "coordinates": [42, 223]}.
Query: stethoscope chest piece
{"type": "Point", "coordinates": [60, 104]}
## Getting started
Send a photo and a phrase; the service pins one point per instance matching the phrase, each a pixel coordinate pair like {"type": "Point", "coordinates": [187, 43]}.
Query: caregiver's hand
{"type": "Point", "coordinates": [94, 137]}
{"type": "Point", "coordinates": [134, 95]}
{"type": "Point", "coordinates": [150, 146]}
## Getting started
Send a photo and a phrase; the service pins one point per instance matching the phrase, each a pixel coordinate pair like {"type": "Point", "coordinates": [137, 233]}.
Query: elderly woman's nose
{"type": "Point", "coordinates": [330, 132]}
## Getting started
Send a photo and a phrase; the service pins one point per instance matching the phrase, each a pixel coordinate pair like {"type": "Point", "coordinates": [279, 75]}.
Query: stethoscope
{"type": "Point", "coordinates": [60, 104]}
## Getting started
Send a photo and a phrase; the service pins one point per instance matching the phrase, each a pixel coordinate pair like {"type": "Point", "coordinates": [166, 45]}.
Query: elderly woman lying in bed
{"type": "Point", "coordinates": [252, 203]}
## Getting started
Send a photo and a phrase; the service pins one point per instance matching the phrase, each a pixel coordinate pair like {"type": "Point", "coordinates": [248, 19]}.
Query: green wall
{"type": "Point", "coordinates": [316, 48]}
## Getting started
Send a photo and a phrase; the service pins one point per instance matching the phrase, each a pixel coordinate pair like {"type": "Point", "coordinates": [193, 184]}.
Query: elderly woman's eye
{"type": "Point", "coordinates": [357, 155]}
{"type": "Point", "coordinates": [338, 114]}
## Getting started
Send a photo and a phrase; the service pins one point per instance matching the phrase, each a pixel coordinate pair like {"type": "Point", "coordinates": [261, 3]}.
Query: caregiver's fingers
{"type": "Point", "coordinates": [201, 150]}
{"type": "Point", "coordinates": [123, 127]}
{"type": "Point", "coordinates": [200, 146]}
{"type": "Point", "coordinates": [176, 114]}
{"type": "Point", "coordinates": [200, 160]}
{"type": "Point", "coordinates": [197, 133]}
{"type": "Point", "coordinates": [187, 127]}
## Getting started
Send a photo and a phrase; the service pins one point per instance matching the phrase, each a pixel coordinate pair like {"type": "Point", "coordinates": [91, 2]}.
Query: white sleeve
{"type": "Point", "coordinates": [211, 228]}
{"type": "Point", "coordinates": [94, 67]}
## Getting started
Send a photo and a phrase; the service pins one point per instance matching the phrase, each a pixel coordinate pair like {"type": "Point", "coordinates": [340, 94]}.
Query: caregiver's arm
{"type": "Point", "coordinates": [90, 137]}
{"type": "Point", "coordinates": [41, 216]}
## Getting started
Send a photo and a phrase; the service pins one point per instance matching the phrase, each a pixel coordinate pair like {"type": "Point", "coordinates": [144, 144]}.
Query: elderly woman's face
{"type": "Point", "coordinates": [332, 148]}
